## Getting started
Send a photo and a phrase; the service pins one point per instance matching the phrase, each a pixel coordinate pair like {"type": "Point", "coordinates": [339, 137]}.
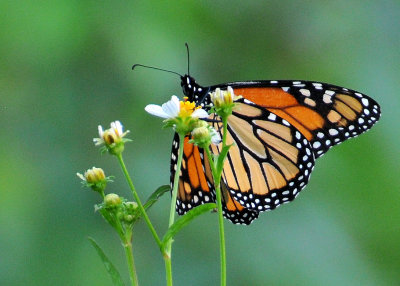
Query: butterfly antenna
{"type": "Point", "coordinates": [154, 68]}
{"type": "Point", "coordinates": [187, 50]}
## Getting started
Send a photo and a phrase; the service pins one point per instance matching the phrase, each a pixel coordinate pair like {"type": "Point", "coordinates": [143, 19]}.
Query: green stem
{"type": "Point", "coordinates": [225, 129]}
{"type": "Point", "coordinates": [217, 185]}
{"type": "Point", "coordinates": [127, 243]}
{"type": "Point", "coordinates": [168, 270]}
{"type": "Point", "coordinates": [219, 204]}
{"type": "Point", "coordinates": [221, 235]}
{"type": "Point", "coordinates": [140, 205]}
{"type": "Point", "coordinates": [168, 247]}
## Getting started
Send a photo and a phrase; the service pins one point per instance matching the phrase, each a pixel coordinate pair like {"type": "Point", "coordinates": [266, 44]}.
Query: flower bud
{"type": "Point", "coordinates": [95, 175]}
{"type": "Point", "coordinates": [131, 206]}
{"type": "Point", "coordinates": [128, 218]}
{"type": "Point", "coordinates": [204, 135]}
{"type": "Point", "coordinates": [201, 136]}
{"type": "Point", "coordinates": [223, 100]}
{"type": "Point", "coordinates": [94, 178]}
{"type": "Point", "coordinates": [112, 200]}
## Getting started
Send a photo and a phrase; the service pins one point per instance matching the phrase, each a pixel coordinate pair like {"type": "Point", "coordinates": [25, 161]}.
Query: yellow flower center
{"type": "Point", "coordinates": [187, 108]}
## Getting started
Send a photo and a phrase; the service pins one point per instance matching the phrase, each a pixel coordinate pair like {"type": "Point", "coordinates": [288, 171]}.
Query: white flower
{"type": "Point", "coordinates": [175, 108]}
{"type": "Point", "coordinates": [112, 135]}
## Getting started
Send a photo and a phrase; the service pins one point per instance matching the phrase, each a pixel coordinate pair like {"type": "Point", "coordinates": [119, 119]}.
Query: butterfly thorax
{"type": "Point", "coordinates": [195, 92]}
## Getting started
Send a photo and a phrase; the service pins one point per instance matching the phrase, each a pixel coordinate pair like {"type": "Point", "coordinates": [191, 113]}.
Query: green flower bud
{"type": "Point", "coordinates": [112, 200]}
{"type": "Point", "coordinates": [131, 206]}
{"type": "Point", "coordinates": [201, 136]}
{"type": "Point", "coordinates": [95, 179]}
{"type": "Point", "coordinates": [204, 135]}
{"type": "Point", "coordinates": [129, 218]}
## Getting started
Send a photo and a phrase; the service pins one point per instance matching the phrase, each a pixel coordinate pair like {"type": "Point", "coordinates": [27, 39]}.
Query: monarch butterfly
{"type": "Point", "coordinates": [279, 128]}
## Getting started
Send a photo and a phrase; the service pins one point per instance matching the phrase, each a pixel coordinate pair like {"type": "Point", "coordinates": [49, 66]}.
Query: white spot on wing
{"type": "Point", "coordinates": [305, 92]}
{"type": "Point", "coordinates": [365, 101]}
{"type": "Point", "coordinates": [327, 98]}
{"type": "Point", "coordinates": [316, 144]}
{"type": "Point", "coordinates": [333, 132]}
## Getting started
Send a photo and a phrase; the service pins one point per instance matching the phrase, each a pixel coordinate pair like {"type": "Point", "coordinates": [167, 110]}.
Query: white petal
{"type": "Point", "coordinates": [217, 94]}
{"type": "Point", "coordinates": [199, 113]}
{"type": "Point", "coordinates": [113, 127]}
{"type": "Point", "coordinates": [117, 127]}
{"type": "Point", "coordinates": [156, 110]}
{"type": "Point", "coordinates": [172, 107]}
{"type": "Point", "coordinates": [169, 109]}
{"type": "Point", "coordinates": [175, 100]}
{"type": "Point", "coordinates": [126, 132]}
{"type": "Point", "coordinates": [230, 90]}
{"type": "Point", "coordinates": [101, 131]}
{"type": "Point", "coordinates": [98, 141]}
{"type": "Point", "coordinates": [81, 176]}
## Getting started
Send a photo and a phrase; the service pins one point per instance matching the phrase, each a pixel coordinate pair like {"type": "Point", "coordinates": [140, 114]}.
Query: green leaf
{"type": "Point", "coordinates": [156, 195]}
{"type": "Point", "coordinates": [112, 271]}
{"type": "Point", "coordinates": [152, 199]}
{"type": "Point", "coordinates": [184, 220]}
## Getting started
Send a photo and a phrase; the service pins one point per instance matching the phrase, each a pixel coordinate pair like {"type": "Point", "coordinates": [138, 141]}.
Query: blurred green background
{"type": "Point", "coordinates": [65, 67]}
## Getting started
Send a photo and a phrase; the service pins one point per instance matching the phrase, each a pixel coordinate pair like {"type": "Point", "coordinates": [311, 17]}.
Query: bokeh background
{"type": "Point", "coordinates": [65, 67]}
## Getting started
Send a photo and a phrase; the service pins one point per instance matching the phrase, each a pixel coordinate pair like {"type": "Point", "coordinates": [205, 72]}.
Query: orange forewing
{"type": "Point", "coordinates": [285, 106]}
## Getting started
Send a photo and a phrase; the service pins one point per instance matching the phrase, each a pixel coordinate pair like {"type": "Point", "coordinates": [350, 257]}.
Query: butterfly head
{"type": "Point", "coordinates": [193, 90]}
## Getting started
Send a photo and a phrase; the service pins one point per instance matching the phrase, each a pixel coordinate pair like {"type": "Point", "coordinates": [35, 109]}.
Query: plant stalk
{"type": "Point", "coordinates": [127, 243]}
{"type": "Point", "coordinates": [140, 205]}
{"type": "Point", "coordinates": [217, 178]}
{"type": "Point", "coordinates": [168, 247]}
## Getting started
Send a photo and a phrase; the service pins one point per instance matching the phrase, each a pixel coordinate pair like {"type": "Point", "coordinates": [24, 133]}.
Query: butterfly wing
{"type": "Point", "coordinates": [196, 185]}
{"type": "Point", "coordinates": [269, 161]}
{"type": "Point", "coordinates": [325, 114]}
{"type": "Point", "coordinates": [278, 129]}
{"type": "Point", "coordinates": [233, 210]}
